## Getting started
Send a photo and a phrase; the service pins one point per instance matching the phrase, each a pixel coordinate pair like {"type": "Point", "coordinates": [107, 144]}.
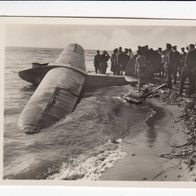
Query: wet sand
{"type": "Point", "coordinates": [142, 161]}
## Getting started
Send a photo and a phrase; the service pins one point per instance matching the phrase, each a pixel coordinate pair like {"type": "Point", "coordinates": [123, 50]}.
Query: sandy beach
{"type": "Point", "coordinates": [148, 154]}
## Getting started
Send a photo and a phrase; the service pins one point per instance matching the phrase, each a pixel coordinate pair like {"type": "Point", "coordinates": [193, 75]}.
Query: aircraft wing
{"type": "Point", "coordinates": [36, 74]}
{"type": "Point", "coordinates": [92, 82]}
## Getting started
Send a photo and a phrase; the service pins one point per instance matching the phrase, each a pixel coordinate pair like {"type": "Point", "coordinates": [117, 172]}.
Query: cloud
{"type": "Point", "coordinates": [97, 37]}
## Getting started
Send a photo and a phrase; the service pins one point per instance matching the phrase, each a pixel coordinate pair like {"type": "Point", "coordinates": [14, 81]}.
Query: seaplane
{"type": "Point", "coordinates": [59, 88]}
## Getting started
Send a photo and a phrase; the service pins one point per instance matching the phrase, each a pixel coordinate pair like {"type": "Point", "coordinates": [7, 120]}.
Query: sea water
{"type": "Point", "coordinates": [80, 146]}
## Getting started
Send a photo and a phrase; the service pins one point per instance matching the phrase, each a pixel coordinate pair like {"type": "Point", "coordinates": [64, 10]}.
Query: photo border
{"type": "Point", "coordinates": [74, 20]}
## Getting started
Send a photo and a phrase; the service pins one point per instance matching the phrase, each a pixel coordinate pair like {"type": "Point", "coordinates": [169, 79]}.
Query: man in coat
{"type": "Point", "coordinates": [189, 70]}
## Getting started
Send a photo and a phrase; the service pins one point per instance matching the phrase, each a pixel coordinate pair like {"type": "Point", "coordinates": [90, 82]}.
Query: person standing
{"type": "Point", "coordinates": [151, 65]}
{"type": "Point", "coordinates": [125, 59]}
{"type": "Point", "coordinates": [97, 62]}
{"type": "Point", "coordinates": [130, 69]}
{"type": "Point", "coordinates": [162, 59]}
{"type": "Point", "coordinates": [121, 60]}
{"type": "Point", "coordinates": [182, 60]}
{"type": "Point", "coordinates": [189, 70]}
{"type": "Point", "coordinates": [141, 66]}
{"type": "Point", "coordinates": [169, 65]}
{"type": "Point", "coordinates": [103, 62]}
{"type": "Point", "coordinates": [130, 53]}
{"type": "Point", "coordinates": [114, 63]}
{"type": "Point", "coordinates": [176, 63]}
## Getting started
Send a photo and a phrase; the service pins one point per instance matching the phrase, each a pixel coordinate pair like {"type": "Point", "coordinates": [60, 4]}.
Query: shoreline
{"type": "Point", "coordinates": [145, 158]}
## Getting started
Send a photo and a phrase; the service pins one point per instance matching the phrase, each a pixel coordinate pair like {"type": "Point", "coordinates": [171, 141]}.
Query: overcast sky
{"type": "Point", "coordinates": [98, 37]}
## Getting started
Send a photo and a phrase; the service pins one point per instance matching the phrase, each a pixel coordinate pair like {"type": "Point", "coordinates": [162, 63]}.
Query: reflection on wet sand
{"type": "Point", "coordinates": [151, 133]}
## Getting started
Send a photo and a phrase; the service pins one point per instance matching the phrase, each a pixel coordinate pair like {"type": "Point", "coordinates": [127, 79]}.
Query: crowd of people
{"type": "Point", "coordinates": [119, 61]}
{"type": "Point", "coordinates": [149, 63]}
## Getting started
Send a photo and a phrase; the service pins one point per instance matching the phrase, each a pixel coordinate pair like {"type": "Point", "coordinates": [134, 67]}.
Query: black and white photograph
{"type": "Point", "coordinates": [94, 99]}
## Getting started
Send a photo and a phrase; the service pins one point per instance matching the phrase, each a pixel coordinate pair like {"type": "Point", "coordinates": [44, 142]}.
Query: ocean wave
{"type": "Point", "coordinates": [11, 111]}
{"type": "Point", "coordinates": [91, 167]}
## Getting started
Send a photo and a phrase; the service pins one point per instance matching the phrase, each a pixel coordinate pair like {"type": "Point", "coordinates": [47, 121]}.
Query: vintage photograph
{"type": "Point", "coordinates": [100, 100]}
